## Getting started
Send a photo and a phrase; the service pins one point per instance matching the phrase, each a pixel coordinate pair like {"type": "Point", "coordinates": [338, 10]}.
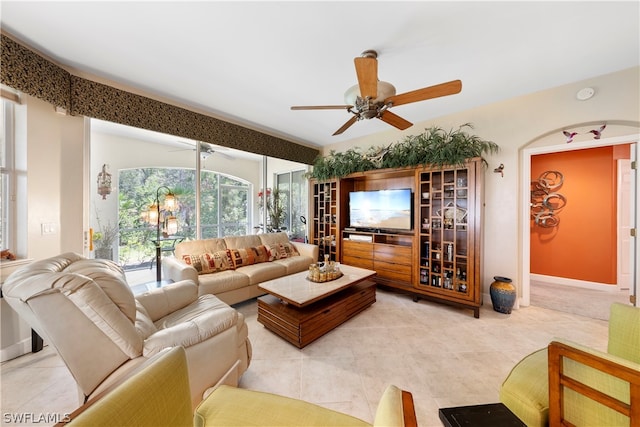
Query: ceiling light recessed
{"type": "Point", "coordinates": [584, 94]}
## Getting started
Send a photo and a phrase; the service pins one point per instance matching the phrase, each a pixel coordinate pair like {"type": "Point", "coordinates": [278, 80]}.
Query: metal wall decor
{"type": "Point", "coordinates": [545, 200]}
{"type": "Point", "coordinates": [597, 133]}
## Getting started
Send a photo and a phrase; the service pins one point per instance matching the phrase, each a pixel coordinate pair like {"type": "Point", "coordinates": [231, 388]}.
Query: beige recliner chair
{"type": "Point", "coordinates": [85, 309]}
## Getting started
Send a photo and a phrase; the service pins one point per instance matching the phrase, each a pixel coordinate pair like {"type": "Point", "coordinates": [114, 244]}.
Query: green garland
{"type": "Point", "coordinates": [434, 147]}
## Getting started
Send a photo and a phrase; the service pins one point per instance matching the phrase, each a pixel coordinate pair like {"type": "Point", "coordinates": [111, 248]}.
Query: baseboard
{"type": "Point", "coordinates": [16, 350]}
{"type": "Point", "coordinates": [575, 283]}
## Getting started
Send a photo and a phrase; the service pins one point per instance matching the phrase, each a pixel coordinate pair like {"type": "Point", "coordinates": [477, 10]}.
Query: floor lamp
{"type": "Point", "coordinates": [153, 217]}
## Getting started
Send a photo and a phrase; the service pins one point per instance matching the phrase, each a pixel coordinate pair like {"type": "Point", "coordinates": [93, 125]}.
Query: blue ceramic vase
{"type": "Point", "coordinates": [503, 294]}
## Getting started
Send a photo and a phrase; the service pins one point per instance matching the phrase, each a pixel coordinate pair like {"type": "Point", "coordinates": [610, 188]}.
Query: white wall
{"type": "Point", "coordinates": [54, 179]}
{"type": "Point", "coordinates": [513, 124]}
{"type": "Point", "coordinates": [53, 144]}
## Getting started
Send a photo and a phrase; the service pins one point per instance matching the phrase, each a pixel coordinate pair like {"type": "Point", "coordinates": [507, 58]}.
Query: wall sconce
{"type": "Point", "coordinates": [500, 170]}
{"type": "Point", "coordinates": [153, 217]}
{"type": "Point", "coordinates": [104, 182]}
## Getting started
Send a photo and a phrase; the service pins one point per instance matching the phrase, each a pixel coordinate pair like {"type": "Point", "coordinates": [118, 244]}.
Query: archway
{"type": "Point", "coordinates": [548, 143]}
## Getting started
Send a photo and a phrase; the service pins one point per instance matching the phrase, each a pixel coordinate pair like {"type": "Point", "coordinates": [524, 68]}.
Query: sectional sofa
{"type": "Point", "coordinates": [232, 267]}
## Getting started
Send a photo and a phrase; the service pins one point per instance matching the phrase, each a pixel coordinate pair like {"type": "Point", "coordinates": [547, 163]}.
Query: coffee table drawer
{"type": "Point", "coordinates": [301, 326]}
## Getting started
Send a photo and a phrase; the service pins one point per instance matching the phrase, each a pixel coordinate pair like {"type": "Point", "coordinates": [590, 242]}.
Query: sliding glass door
{"type": "Point", "coordinates": [293, 188]}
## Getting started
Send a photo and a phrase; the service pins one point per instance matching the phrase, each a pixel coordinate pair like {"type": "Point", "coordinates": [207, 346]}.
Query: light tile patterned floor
{"type": "Point", "coordinates": [443, 355]}
{"type": "Point", "coordinates": [563, 298]}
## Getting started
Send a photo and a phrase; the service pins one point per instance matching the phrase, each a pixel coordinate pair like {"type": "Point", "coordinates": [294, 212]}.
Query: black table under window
{"type": "Point", "coordinates": [489, 415]}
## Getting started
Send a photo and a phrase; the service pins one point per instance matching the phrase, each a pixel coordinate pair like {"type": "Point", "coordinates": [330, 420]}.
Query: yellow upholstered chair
{"type": "Point", "coordinates": [158, 395]}
{"type": "Point", "coordinates": [568, 382]}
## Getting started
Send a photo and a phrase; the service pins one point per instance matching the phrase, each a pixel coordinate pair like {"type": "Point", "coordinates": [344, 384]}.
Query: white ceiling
{"type": "Point", "coordinates": [248, 62]}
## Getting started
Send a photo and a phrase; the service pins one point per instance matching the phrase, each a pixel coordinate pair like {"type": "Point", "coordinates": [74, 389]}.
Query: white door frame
{"type": "Point", "coordinates": [635, 224]}
{"type": "Point", "coordinates": [525, 188]}
{"type": "Point", "coordinates": [624, 243]}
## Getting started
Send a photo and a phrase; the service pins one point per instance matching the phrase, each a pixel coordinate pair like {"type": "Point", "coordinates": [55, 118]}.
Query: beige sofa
{"type": "Point", "coordinates": [231, 268]}
{"type": "Point", "coordinates": [86, 310]}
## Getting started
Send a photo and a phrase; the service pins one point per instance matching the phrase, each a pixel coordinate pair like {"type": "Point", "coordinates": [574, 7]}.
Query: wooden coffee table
{"type": "Point", "coordinates": [301, 311]}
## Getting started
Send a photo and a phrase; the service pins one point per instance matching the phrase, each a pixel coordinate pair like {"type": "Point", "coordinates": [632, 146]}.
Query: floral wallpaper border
{"type": "Point", "coordinates": [26, 71]}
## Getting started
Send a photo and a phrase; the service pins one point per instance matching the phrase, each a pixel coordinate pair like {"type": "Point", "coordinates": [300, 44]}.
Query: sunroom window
{"type": "Point", "coordinates": [224, 208]}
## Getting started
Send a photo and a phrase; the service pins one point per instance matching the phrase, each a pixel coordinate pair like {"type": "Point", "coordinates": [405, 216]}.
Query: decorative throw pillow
{"type": "Point", "coordinates": [194, 261]}
{"type": "Point", "coordinates": [274, 251]}
{"type": "Point", "coordinates": [289, 249]}
{"type": "Point", "coordinates": [223, 260]}
{"type": "Point", "coordinates": [240, 258]}
{"type": "Point", "coordinates": [269, 256]}
{"type": "Point", "coordinates": [210, 262]}
{"type": "Point", "coordinates": [281, 250]}
{"type": "Point", "coordinates": [247, 256]}
{"type": "Point", "coordinates": [218, 261]}
{"type": "Point", "coordinates": [261, 253]}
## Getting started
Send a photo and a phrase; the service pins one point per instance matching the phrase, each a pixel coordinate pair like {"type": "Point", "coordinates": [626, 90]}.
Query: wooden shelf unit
{"type": "Point", "coordinates": [448, 234]}
{"type": "Point", "coordinates": [439, 259]}
{"type": "Point", "coordinates": [324, 213]}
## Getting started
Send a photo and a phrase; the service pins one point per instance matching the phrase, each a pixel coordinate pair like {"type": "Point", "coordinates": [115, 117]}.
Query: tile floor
{"type": "Point", "coordinates": [443, 355]}
{"type": "Point", "coordinates": [563, 298]}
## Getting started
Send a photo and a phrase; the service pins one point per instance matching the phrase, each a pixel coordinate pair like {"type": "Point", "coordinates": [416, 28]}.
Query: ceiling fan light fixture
{"type": "Point", "coordinates": [385, 90]}
{"type": "Point", "coordinates": [372, 98]}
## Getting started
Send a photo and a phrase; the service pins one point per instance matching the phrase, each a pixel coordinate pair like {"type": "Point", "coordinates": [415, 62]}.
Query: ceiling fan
{"type": "Point", "coordinates": [207, 149]}
{"type": "Point", "coordinates": [372, 98]}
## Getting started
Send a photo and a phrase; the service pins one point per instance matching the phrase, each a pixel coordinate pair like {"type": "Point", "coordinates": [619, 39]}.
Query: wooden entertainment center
{"type": "Point", "coordinates": [438, 259]}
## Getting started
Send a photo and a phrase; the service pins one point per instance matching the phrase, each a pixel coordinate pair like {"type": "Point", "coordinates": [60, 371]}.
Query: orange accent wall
{"type": "Point", "coordinates": [583, 245]}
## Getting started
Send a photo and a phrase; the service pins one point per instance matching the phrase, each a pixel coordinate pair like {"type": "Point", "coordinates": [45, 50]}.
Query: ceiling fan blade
{"type": "Point", "coordinates": [226, 156]}
{"type": "Point", "coordinates": [346, 126]}
{"type": "Point", "coordinates": [443, 89]}
{"type": "Point", "coordinates": [367, 72]}
{"type": "Point", "coordinates": [321, 107]}
{"type": "Point", "coordinates": [395, 120]}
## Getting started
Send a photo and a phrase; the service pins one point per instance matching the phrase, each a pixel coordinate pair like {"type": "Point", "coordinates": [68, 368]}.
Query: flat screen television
{"type": "Point", "coordinates": [381, 209]}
